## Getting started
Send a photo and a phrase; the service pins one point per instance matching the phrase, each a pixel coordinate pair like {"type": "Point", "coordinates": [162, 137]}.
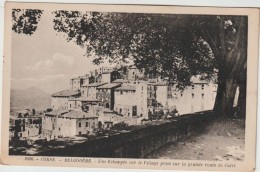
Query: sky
{"type": "Point", "coordinates": [45, 59]}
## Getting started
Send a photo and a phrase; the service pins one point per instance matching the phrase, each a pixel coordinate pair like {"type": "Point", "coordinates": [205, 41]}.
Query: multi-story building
{"type": "Point", "coordinates": [107, 77]}
{"type": "Point", "coordinates": [76, 83]}
{"type": "Point", "coordinates": [49, 123]}
{"type": "Point", "coordinates": [83, 103]}
{"type": "Point", "coordinates": [105, 95]}
{"type": "Point", "coordinates": [199, 96]}
{"type": "Point", "coordinates": [76, 123]}
{"type": "Point", "coordinates": [102, 70]}
{"type": "Point", "coordinates": [90, 90]}
{"type": "Point", "coordinates": [134, 73]}
{"type": "Point", "coordinates": [125, 100]}
{"type": "Point", "coordinates": [60, 99]}
{"type": "Point", "coordinates": [135, 99]}
{"type": "Point", "coordinates": [25, 124]}
{"type": "Point", "coordinates": [163, 93]}
{"type": "Point", "coordinates": [67, 123]}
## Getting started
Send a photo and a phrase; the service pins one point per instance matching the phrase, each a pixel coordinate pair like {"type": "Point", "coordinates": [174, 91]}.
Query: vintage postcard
{"type": "Point", "coordinates": [130, 86]}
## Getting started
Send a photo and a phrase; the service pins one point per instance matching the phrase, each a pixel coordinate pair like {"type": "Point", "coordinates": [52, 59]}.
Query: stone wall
{"type": "Point", "coordinates": [139, 142]}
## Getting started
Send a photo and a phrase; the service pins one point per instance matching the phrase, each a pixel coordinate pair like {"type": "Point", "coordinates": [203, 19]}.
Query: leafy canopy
{"type": "Point", "coordinates": [25, 20]}
{"type": "Point", "coordinates": [156, 42]}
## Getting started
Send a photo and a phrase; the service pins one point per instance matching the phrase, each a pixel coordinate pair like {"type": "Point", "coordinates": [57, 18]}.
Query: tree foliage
{"type": "Point", "coordinates": [154, 42]}
{"type": "Point", "coordinates": [25, 20]}
{"type": "Point", "coordinates": [176, 47]}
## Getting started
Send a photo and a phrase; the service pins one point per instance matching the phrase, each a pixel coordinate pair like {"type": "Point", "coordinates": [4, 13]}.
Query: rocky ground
{"type": "Point", "coordinates": [223, 139]}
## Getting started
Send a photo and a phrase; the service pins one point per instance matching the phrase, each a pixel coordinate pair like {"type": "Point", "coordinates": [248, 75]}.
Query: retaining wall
{"type": "Point", "coordinates": [140, 142]}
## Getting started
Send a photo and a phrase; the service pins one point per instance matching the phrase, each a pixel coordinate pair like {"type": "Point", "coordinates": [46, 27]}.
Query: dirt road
{"type": "Point", "coordinates": [224, 139]}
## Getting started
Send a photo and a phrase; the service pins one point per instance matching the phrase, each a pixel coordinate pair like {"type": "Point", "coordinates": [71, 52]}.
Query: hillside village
{"type": "Point", "coordinates": [111, 96]}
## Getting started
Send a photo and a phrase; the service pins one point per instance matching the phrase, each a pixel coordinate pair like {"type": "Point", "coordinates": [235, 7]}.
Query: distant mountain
{"type": "Point", "coordinates": [30, 98]}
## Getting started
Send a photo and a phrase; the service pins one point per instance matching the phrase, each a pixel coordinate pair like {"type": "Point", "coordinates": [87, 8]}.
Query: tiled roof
{"type": "Point", "coordinates": [126, 88]}
{"type": "Point", "coordinates": [57, 112]}
{"type": "Point", "coordinates": [83, 98]}
{"type": "Point", "coordinates": [109, 85]}
{"type": "Point", "coordinates": [79, 115]}
{"type": "Point", "coordinates": [120, 81]}
{"type": "Point", "coordinates": [66, 93]}
{"type": "Point", "coordinates": [96, 84]}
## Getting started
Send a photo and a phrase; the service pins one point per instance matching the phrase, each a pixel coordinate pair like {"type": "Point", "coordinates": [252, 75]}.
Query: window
{"type": "Point", "coordinates": [202, 96]}
{"type": "Point", "coordinates": [120, 110]}
{"type": "Point", "coordinates": [192, 87]}
{"type": "Point", "coordinates": [80, 133]}
{"type": "Point", "coordinates": [86, 124]}
{"type": "Point", "coordinates": [121, 92]}
{"type": "Point", "coordinates": [192, 95]}
{"type": "Point", "coordinates": [181, 94]}
{"type": "Point", "coordinates": [202, 86]}
{"type": "Point", "coordinates": [79, 124]}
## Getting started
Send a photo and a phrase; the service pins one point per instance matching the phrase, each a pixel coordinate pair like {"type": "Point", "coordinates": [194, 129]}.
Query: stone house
{"type": "Point", "coordinates": [68, 123]}
{"type": "Point", "coordinates": [76, 83]}
{"type": "Point", "coordinates": [60, 99]}
{"type": "Point", "coordinates": [76, 123]}
{"type": "Point", "coordinates": [199, 96]}
{"type": "Point", "coordinates": [25, 125]}
{"type": "Point", "coordinates": [105, 95]}
{"type": "Point", "coordinates": [135, 99]}
{"type": "Point", "coordinates": [110, 76]}
{"type": "Point", "coordinates": [125, 100]}
{"type": "Point", "coordinates": [49, 123]}
{"type": "Point", "coordinates": [90, 90]}
{"type": "Point", "coordinates": [102, 70]}
{"type": "Point", "coordinates": [133, 73]}
{"type": "Point", "coordinates": [163, 93]}
{"type": "Point", "coordinates": [83, 103]}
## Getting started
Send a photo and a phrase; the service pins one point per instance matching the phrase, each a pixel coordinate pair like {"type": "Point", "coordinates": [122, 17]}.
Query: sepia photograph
{"type": "Point", "coordinates": [88, 83]}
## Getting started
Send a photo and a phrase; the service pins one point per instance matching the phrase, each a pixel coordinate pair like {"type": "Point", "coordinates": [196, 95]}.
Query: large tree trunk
{"type": "Point", "coordinates": [232, 71]}
{"type": "Point", "coordinates": [241, 104]}
{"type": "Point", "coordinates": [242, 100]}
{"type": "Point", "coordinates": [225, 96]}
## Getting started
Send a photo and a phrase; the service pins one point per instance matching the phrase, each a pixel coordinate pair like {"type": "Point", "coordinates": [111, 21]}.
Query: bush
{"type": "Point", "coordinates": [120, 126]}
